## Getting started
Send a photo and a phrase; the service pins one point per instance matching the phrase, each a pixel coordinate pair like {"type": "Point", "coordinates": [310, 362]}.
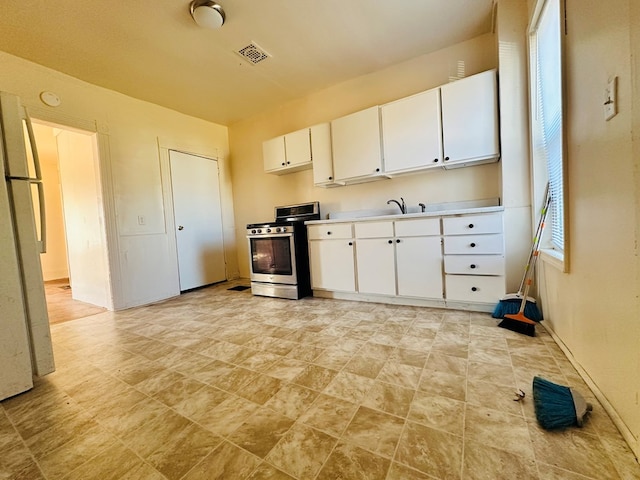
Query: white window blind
{"type": "Point", "coordinates": [547, 134]}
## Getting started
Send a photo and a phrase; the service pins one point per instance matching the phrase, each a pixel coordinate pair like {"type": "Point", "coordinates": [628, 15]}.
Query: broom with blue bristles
{"type": "Point", "coordinates": [558, 406]}
{"type": "Point", "coordinates": [511, 304]}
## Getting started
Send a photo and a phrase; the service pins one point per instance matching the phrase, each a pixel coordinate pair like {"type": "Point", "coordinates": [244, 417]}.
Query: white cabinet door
{"type": "Point", "coordinates": [470, 120]}
{"type": "Point", "coordinates": [356, 145]}
{"type": "Point", "coordinates": [411, 133]}
{"type": "Point", "coordinates": [321, 155]}
{"type": "Point", "coordinates": [332, 265]}
{"type": "Point", "coordinates": [273, 154]}
{"type": "Point", "coordinates": [287, 153]}
{"type": "Point", "coordinates": [297, 148]}
{"type": "Point", "coordinates": [376, 266]}
{"type": "Point", "coordinates": [419, 266]}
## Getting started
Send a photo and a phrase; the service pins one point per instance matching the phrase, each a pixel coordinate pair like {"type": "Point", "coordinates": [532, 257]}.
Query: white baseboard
{"type": "Point", "coordinates": [628, 436]}
{"type": "Point", "coordinates": [411, 301]}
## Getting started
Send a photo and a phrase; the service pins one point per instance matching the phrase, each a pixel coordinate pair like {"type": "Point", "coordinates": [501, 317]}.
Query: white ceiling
{"type": "Point", "coordinates": [154, 51]}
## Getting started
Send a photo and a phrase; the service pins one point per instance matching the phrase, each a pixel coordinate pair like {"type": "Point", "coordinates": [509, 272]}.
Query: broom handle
{"type": "Point", "coordinates": [528, 280]}
{"type": "Point", "coordinates": [528, 267]}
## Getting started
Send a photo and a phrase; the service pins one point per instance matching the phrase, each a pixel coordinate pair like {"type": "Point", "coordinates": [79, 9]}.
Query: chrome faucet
{"type": "Point", "coordinates": [422, 206]}
{"type": "Point", "coordinates": [401, 206]}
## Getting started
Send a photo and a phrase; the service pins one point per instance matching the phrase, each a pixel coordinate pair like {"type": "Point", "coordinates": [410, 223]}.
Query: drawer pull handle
{"type": "Point", "coordinates": [350, 244]}
{"type": "Point", "coordinates": [472, 245]}
{"type": "Point", "coordinates": [390, 242]}
{"type": "Point", "coordinates": [330, 178]}
{"type": "Point", "coordinates": [474, 289]}
{"type": "Point", "coordinates": [436, 160]}
{"type": "Point", "coordinates": [328, 233]}
{"type": "Point", "coordinates": [471, 225]}
{"type": "Point", "coordinates": [473, 265]}
{"type": "Point", "coordinates": [398, 240]}
{"type": "Point", "coordinates": [282, 164]}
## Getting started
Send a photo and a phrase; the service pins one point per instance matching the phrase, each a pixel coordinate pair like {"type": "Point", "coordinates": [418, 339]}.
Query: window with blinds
{"type": "Point", "coordinates": [547, 106]}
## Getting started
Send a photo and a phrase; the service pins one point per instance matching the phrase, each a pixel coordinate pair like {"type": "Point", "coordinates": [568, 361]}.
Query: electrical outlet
{"type": "Point", "coordinates": [141, 220]}
{"type": "Point", "coordinates": [610, 100]}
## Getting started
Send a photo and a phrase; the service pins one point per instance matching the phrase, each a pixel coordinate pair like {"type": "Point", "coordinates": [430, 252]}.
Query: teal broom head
{"type": "Point", "coordinates": [558, 406]}
{"type": "Point", "coordinates": [512, 306]}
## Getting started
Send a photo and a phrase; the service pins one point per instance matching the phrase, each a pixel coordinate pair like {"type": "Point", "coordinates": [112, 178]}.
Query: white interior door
{"type": "Point", "coordinates": [198, 220]}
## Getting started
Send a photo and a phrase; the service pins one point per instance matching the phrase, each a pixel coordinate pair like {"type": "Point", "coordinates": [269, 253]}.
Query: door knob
{"type": "Point", "coordinates": [180, 227]}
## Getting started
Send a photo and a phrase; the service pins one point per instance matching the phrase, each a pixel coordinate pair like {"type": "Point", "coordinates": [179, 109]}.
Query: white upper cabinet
{"type": "Point", "coordinates": [322, 156]}
{"type": "Point", "coordinates": [273, 154]}
{"type": "Point", "coordinates": [412, 133]}
{"type": "Point", "coordinates": [357, 152]}
{"type": "Point", "coordinates": [470, 120]}
{"type": "Point", "coordinates": [288, 153]}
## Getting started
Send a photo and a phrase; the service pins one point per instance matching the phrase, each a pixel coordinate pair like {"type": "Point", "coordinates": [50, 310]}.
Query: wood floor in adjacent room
{"type": "Point", "coordinates": [62, 307]}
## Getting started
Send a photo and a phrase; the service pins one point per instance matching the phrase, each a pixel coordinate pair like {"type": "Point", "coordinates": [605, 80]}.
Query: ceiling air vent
{"type": "Point", "coordinates": [253, 53]}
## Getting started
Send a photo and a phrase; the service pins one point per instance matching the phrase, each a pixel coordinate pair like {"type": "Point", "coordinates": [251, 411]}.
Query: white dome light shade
{"type": "Point", "coordinates": [207, 14]}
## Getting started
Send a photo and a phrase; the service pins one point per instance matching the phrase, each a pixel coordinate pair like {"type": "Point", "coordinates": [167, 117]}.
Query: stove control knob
{"type": "Point", "coordinates": [253, 231]}
{"type": "Point", "coordinates": [259, 230]}
{"type": "Point", "coordinates": [268, 230]}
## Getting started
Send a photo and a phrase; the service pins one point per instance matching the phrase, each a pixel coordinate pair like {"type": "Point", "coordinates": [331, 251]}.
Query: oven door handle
{"type": "Point", "coordinates": [271, 235]}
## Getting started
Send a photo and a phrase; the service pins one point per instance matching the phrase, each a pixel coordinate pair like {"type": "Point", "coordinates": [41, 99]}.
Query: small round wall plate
{"type": "Point", "coordinates": [50, 98]}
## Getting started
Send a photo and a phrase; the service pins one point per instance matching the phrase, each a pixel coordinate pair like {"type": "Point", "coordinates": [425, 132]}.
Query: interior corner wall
{"type": "Point", "coordinates": [594, 308]}
{"type": "Point", "coordinates": [256, 193]}
{"type": "Point", "coordinates": [515, 176]}
{"type": "Point", "coordinates": [142, 268]}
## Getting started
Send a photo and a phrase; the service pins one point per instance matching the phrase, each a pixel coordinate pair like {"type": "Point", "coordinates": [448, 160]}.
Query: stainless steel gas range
{"type": "Point", "coordinates": [279, 252]}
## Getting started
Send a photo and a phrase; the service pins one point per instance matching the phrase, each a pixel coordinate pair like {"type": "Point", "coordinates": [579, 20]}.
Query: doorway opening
{"type": "Point", "coordinates": [75, 267]}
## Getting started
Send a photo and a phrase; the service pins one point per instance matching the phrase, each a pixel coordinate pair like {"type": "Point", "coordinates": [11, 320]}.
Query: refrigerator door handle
{"type": "Point", "coordinates": [42, 243]}
{"type": "Point", "coordinates": [34, 150]}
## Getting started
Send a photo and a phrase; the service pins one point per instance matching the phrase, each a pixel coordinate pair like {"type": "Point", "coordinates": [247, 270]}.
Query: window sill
{"type": "Point", "coordinates": [553, 258]}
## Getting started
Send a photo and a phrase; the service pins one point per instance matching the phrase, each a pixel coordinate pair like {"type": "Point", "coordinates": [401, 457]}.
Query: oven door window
{"type": "Point", "coordinates": [271, 256]}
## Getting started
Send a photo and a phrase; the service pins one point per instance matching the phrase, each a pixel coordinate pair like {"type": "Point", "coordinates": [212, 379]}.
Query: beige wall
{"type": "Point", "coordinates": [143, 263]}
{"type": "Point", "coordinates": [594, 308]}
{"type": "Point", "coordinates": [256, 193]}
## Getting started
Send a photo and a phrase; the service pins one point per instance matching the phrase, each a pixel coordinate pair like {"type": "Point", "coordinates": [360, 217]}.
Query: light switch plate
{"type": "Point", "coordinates": [610, 100]}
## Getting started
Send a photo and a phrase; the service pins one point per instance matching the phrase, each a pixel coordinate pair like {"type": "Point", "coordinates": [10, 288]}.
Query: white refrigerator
{"type": "Point", "coordinates": [25, 337]}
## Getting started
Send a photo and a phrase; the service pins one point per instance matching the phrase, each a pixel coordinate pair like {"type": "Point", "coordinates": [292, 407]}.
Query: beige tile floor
{"type": "Point", "coordinates": [219, 384]}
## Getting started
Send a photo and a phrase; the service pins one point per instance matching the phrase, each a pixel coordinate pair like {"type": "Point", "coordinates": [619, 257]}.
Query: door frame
{"type": "Point", "coordinates": [102, 157]}
{"type": "Point", "coordinates": [164, 147]}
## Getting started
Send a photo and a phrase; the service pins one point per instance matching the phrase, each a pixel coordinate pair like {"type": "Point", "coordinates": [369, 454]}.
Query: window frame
{"type": "Point", "coordinates": [558, 258]}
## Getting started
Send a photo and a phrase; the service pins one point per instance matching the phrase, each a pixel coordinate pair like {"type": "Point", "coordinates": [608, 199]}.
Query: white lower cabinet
{"type": "Point", "coordinates": [474, 263]}
{"type": "Point", "coordinates": [331, 257]}
{"type": "Point", "coordinates": [419, 266]}
{"type": "Point", "coordinates": [474, 288]}
{"type": "Point", "coordinates": [401, 258]}
{"type": "Point", "coordinates": [375, 255]}
{"type": "Point", "coordinates": [414, 259]}
{"type": "Point", "coordinates": [376, 266]}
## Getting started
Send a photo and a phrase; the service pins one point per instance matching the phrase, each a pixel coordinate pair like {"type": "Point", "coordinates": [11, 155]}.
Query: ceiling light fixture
{"type": "Point", "coordinates": [207, 14]}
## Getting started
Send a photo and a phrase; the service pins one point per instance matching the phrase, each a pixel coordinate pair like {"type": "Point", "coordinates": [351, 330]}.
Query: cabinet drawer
{"type": "Point", "coordinates": [474, 264]}
{"type": "Point", "coordinates": [472, 224]}
{"type": "Point", "coordinates": [474, 244]}
{"type": "Point", "coordinates": [417, 228]}
{"type": "Point", "coordinates": [374, 229]}
{"type": "Point", "coordinates": [319, 232]}
{"type": "Point", "coordinates": [474, 288]}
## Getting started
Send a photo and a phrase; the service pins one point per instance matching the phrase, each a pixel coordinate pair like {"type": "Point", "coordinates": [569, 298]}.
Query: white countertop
{"type": "Point", "coordinates": [434, 213]}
